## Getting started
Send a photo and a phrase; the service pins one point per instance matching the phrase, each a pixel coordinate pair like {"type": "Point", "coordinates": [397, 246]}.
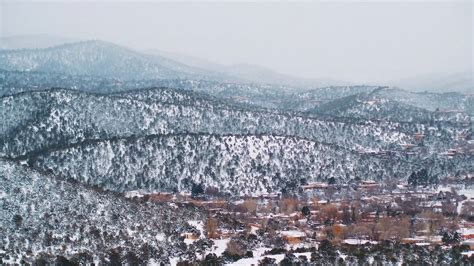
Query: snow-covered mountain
{"type": "Point", "coordinates": [267, 96]}
{"type": "Point", "coordinates": [250, 73]}
{"type": "Point", "coordinates": [429, 100]}
{"type": "Point", "coordinates": [374, 106]}
{"type": "Point", "coordinates": [259, 74]}
{"type": "Point", "coordinates": [439, 82]}
{"type": "Point", "coordinates": [99, 58]}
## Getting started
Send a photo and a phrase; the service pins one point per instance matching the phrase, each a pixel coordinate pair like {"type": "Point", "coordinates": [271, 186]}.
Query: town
{"type": "Point", "coordinates": [267, 228]}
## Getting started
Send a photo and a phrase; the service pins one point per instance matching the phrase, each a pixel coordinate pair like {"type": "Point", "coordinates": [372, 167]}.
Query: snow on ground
{"type": "Point", "coordinates": [468, 192]}
{"type": "Point", "coordinates": [259, 251]}
{"type": "Point", "coordinates": [160, 237]}
{"type": "Point", "coordinates": [173, 261]}
{"type": "Point", "coordinates": [253, 229]}
{"type": "Point", "coordinates": [468, 253]}
{"type": "Point", "coordinates": [466, 231]}
{"type": "Point", "coordinates": [423, 244]}
{"type": "Point", "coordinates": [255, 259]}
{"type": "Point", "coordinates": [219, 246]}
{"type": "Point", "coordinates": [352, 241]}
{"type": "Point", "coordinates": [293, 233]}
{"type": "Point", "coordinates": [301, 245]}
{"type": "Point", "coordinates": [134, 193]}
{"type": "Point", "coordinates": [188, 241]}
{"type": "Point", "coordinates": [278, 258]}
{"type": "Point", "coordinates": [199, 225]}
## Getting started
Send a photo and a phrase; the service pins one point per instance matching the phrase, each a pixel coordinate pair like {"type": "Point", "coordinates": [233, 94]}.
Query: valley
{"type": "Point", "coordinates": [109, 155]}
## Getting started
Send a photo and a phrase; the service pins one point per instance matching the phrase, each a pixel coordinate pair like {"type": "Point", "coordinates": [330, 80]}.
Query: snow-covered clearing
{"type": "Point", "coordinates": [278, 258]}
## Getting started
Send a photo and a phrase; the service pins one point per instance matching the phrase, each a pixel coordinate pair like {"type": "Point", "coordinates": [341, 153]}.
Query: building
{"type": "Point", "coordinates": [293, 237]}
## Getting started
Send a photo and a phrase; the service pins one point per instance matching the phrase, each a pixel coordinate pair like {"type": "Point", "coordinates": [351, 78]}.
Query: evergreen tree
{"type": "Point", "coordinates": [114, 258]}
{"type": "Point", "coordinates": [331, 180]}
{"type": "Point", "coordinates": [306, 211]}
{"type": "Point", "coordinates": [197, 189]}
{"type": "Point", "coordinates": [17, 220]}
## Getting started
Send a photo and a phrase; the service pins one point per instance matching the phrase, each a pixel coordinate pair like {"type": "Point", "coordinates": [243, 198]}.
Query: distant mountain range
{"type": "Point", "coordinates": [98, 58]}
{"type": "Point", "coordinates": [242, 72]}
{"type": "Point", "coordinates": [38, 41]}
{"type": "Point", "coordinates": [439, 82]}
{"type": "Point", "coordinates": [401, 106]}
{"type": "Point", "coordinates": [157, 64]}
{"type": "Point", "coordinates": [251, 73]}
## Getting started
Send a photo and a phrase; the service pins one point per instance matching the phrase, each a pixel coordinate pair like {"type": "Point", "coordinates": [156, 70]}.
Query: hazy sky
{"type": "Point", "coordinates": [354, 41]}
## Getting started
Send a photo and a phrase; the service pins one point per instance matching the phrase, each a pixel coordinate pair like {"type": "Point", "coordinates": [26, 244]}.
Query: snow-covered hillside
{"type": "Point", "coordinates": [43, 119]}
{"type": "Point", "coordinates": [235, 164]}
{"type": "Point", "coordinates": [98, 58]}
{"type": "Point", "coordinates": [44, 216]}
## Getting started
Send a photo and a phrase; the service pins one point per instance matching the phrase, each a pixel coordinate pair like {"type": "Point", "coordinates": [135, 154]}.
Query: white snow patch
{"type": "Point", "coordinates": [278, 258]}
{"type": "Point", "coordinates": [220, 245]}
{"type": "Point", "coordinates": [352, 241]}
{"type": "Point", "coordinates": [293, 233]}
{"type": "Point", "coordinates": [199, 225]}
{"type": "Point", "coordinates": [468, 253]}
{"type": "Point", "coordinates": [160, 237]}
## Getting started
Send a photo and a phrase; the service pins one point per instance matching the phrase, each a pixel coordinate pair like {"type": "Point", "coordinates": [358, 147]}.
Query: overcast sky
{"type": "Point", "coordinates": [354, 41]}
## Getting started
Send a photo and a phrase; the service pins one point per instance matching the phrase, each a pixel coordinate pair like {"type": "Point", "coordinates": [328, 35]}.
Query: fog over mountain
{"type": "Point", "coordinates": [461, 82]}
{"type": "Point", "coordinates": [250, 73]}
{"type": "Point", "coordinates": [320, 40]}
{"type": "Point", "coordinates": [38, 41]}
{"type": "Point", "coordinates": [436, 82]}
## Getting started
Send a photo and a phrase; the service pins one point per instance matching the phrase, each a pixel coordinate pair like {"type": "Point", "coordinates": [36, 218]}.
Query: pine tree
{"type": "Point", "coordinates": [306, 211]}
{"type": "Point", "coordinates": [197, 189]}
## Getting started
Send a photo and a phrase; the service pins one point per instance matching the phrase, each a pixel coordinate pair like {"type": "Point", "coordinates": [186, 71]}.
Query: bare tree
{"type": "Point", "coordinates": [212, 226]}
{"type": "Point", "coordinates": [329, 212]}
{"type": "Point", "coordinates": [251, 205]}
{"type": "Point", "coordinates": [288, 205]}
{"type": "Point", "coordinates": [235, 247]}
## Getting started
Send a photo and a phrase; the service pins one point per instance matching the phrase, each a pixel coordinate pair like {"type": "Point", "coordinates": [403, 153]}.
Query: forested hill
{"type": "Point", "coordinates": [171, 139]}
{"type": "Point", "coordinates": [99, 58]}
{"type": "Point", "coordinates": [250, 164]}
{"type": "Point", "coordinates": [50, 217]}
{"type": "Point", "coordinates": [41, 119]}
